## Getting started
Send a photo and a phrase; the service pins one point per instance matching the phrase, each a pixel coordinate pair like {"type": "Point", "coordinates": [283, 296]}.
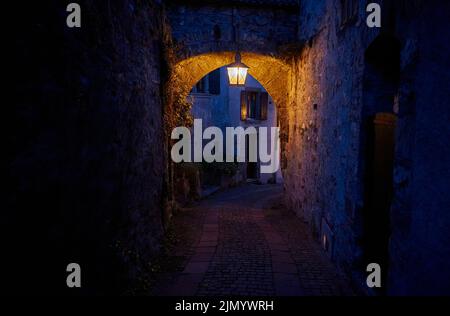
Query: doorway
{"type": "Point", "coordinates": [251, 167]}
{"type": "Point", "coordinates": [380, 88]}
{"type": "Point", "coordinates": [379, 188]}
{"type": "Point", "coordinates": [252, 170]}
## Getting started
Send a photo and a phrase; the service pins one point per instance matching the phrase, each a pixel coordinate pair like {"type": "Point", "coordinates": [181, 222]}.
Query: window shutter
{"type": "Point", "coordinates": [214, 82]}
{"type": "Point", "coordinates": [264, 99]}
{"type": "Point", "coordinates": [243, 105]}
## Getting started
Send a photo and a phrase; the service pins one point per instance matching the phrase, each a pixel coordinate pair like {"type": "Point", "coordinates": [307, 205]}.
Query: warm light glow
{"type": "Point", "coordinates": [242, 75]}
{"type": "Point", "coordinates": [243, 112]}
{"type": "Point", "coordinates": [233, 75]}
{"type": "Point", "coordinates": [237, 72]}
{"type": "Point", "coordinates": [237, 75]}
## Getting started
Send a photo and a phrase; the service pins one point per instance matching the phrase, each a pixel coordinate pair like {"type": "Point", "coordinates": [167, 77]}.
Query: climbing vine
{"type": "Point", "coordinates": [177, 107]}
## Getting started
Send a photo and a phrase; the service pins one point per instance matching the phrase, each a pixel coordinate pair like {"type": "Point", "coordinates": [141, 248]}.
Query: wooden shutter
{"type": "Point", "coordinates": [264, 101]}
{"type": "Point", "coordinates": [214, 82]}
{"type": "Point", "coordinates": [243, 105]}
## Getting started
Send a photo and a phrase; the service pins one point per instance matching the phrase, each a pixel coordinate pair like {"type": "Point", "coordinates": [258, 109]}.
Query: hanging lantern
{"type": "Point", "coordinates": [237, 72]}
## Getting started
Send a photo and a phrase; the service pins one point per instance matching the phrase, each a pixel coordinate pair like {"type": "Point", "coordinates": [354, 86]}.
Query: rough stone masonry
{"type": "Point", "coordinates": [324, 181]}
{"type": "Point", "coordinates": [87, 173]}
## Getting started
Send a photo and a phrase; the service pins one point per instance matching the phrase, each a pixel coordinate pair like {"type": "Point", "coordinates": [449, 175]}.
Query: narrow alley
{"type": "Point", "coordinates": [251, 245]}
{"type": "Point", "coordinates": [322, 126]}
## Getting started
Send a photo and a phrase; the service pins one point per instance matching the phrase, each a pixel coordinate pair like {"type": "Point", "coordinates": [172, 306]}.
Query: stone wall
{"type": "Point", "coordinates": [214, 26]}
{"type": "Point", "coordinates": [324, 115]}
{"type": "Point", "coordinates": [325, 148]}
{"type": "Point", "coordinates": [421, 208]}
{"type": "Point", "coordinates": [86, 170]}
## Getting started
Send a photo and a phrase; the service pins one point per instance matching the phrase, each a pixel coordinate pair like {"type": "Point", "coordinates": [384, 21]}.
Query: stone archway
{"type": "Point", "coordinates": [204, 36]}
{"type": "Point", "coordinates": [273, 73]}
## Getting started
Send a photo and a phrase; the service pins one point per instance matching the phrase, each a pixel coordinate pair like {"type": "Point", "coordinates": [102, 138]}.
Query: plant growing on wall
{"type": "Point", "coordinates": [177, 111]}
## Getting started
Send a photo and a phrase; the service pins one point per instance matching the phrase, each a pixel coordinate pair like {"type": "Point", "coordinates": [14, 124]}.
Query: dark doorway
{"type": "Point", "coordinates": [252, 170]}
{"type": "Point", "coordinates": [379, 188]}
{"type": "Point", "coordinates": [252, 167]}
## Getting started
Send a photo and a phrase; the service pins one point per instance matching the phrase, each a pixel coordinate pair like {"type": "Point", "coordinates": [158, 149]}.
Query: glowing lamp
{"type": "Point", "coordinates": [237, 72]}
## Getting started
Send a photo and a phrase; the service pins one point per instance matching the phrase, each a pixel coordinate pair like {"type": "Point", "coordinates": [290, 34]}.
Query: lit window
{"type": "Point", "coordinates": [254, 105]}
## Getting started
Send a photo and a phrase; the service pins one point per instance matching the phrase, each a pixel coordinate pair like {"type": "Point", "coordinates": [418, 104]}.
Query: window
{"type": "Point", "coordinates": [201, 87]}
{"type": "Point", "coordinates": [209, 83]}
{"type": "Point", "coordinates": [254, 105]}
{"type": "Point", "coordinates": [214, 82]}
{"type": "Point", "coordinates": [253, 108]}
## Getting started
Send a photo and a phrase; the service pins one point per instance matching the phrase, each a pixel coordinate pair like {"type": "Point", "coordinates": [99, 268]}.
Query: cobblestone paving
{"type": "Point", "coordinates": [247, 246]}
{"type": "Point", "coordinates": [316, 273]}
{"type": "Point", "coordinates": [240, 266]}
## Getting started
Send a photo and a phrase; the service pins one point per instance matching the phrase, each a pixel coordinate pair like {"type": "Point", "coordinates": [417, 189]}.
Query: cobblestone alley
{"type": "Point", "coordinates": [250, 245]}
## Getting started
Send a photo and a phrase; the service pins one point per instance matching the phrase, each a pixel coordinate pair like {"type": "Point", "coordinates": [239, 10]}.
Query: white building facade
{"type": "Point", "coordinates": [219, 104]}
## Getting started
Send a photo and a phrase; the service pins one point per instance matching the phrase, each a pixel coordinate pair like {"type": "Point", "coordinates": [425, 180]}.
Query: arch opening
{"type": "Point", "coordinates": [271, 72]}
{"type": "Point", "coordinates": [267, 82]}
